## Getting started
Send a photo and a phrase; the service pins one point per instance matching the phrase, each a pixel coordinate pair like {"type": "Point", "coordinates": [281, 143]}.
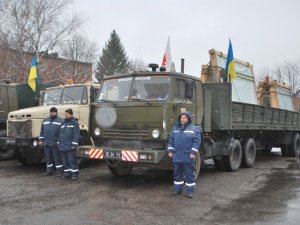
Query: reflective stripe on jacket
{"type": "Point", "coordinates": [50, 130]}
{"type": "Point", "coordinates": [69, 135]}
{"type": "Point", "coordinates": [184, 140]}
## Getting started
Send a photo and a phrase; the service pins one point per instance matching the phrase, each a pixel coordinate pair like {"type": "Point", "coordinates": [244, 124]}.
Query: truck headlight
{"type": "Point", "coordinates": [155, 133]}
{"type": "Point", "coordinates": [97, 131]}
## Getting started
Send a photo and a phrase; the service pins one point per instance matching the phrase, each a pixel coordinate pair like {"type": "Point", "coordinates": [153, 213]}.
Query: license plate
{"type": "Point", "coordinates": [108, 154]}
{"type": "Point", "coordinates": [10, 141]}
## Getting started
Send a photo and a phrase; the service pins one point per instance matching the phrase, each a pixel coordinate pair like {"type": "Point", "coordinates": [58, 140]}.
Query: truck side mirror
{"type": "Point", "coordinates": [189, 89]}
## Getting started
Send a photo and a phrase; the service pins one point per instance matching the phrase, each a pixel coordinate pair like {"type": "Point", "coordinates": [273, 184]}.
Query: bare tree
{"type": "Point", "coordinates": [137, 65]}
{"type": "Point", "coordinates": [291, 73]}
{"type": "Point", "coordinates": [260, 76]}
{"type": "Point", "coordinates": [35, 26]}
{"type": "Point", "coordinates": [278, 73]}
{"type": "Point", "coordinates": [79, 49]}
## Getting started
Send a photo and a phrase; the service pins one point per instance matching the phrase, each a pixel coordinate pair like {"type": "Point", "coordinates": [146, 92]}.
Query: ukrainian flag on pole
{"type": "Point", "coordinates": [33, 78]}
{"type": "Point", "coordinates": [230, 65]}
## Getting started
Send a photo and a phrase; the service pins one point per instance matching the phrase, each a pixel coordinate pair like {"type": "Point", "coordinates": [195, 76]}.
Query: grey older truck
{"type": "Point", "coordinates": [14, 97]}
{"type": "Point", "coordinates": [23, 126]}
{"type": "Point", "coordinates": [132, 119]}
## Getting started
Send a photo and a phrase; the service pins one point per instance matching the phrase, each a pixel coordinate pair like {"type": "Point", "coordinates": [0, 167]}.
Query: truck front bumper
{"type": "Point", "coordinates": [127, 155]}
{"type": "Point", "coordinates": [24, 142]}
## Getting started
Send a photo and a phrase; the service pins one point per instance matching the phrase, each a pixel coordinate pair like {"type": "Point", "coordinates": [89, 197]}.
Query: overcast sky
{"type": "Point", "coordinates": [262, 32]}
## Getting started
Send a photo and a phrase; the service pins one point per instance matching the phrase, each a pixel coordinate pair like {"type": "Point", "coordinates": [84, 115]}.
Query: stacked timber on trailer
{"type": "Point", "coordinates": [243, 87]}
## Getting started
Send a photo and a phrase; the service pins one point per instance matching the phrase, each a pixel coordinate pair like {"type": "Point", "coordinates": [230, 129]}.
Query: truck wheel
{"type": "Point", "coordinates": [249, 153]}
{"type": "Point", "coordinates": [284, 150]}
{"type": "Point", "coordinates": [81, 161]}
{"type": "Point", "coordinates": [7, 152]}
{"type": "Point", "coordinates": [119, 168]}
{"type": "Point", "coordinates": [197, 165]}
{"type": "Point", "coordinates": [20, 157]}
{"type": "Point", "coordinates": [294, 148]}
{"type": "Point", "coordinates": [233, 161]}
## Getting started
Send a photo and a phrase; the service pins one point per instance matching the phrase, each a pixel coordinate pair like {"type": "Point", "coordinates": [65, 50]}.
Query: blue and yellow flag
{"type": "Point", "coordinates": [230, 65]}
{"type": "Point", "coordinates": [33, 77]}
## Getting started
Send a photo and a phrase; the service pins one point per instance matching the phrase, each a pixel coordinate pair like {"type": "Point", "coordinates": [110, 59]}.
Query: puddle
{"type": "Point", "coordinates": [276, 203]}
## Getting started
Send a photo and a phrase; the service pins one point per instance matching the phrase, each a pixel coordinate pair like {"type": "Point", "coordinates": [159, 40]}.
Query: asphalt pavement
{"type": "Point", "coordinates": [269, 193]}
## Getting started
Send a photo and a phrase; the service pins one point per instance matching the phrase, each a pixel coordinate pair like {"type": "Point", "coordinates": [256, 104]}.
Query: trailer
{"type": "Point", "coordinates": [134, 114]}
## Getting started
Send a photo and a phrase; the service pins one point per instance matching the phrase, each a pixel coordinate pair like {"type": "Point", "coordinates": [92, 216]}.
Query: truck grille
{"type": "Point", "coordinates": [125, 134]}
{"type": "Point", "coordinates": [19, 129]}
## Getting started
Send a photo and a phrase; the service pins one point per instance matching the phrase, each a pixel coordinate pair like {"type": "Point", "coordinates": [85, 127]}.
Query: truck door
{"type": "Point", "coordinates": [181, 101]}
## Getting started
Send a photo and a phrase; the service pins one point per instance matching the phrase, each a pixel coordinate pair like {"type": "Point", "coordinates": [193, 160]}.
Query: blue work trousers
{"type": "Point", "coordinates": [184, 171]}
{"type": "Point", "coordinates": [71, 167]}
{"type": "Point", "coordinates": [53, 159]}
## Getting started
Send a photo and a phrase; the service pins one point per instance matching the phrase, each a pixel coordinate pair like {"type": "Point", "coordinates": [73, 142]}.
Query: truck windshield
{"type": "Point", "coordinates": [148, 88]}
{"type": "Point", "coordinates": [73, 95]}
{"type": "Point", "coordinates": [115, 89]}
{"type": "Point", "coordinates": [52, 97]}
{"type": "Point", "coordinates": [67, 95]}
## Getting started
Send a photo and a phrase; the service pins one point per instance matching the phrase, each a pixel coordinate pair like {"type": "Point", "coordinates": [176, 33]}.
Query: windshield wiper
{"type": "Point", "coordinates": [106, 100]}
{"type": "Point", "coordinates": [70, 98]}
{"type": "Point", "coordinates": [140, 100]}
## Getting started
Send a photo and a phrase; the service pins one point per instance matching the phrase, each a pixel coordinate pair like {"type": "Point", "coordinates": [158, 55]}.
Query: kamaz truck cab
{"type": "Point", "coordinates": [133, 117]}
{"type": "Point", "coordinates": [23, 126]}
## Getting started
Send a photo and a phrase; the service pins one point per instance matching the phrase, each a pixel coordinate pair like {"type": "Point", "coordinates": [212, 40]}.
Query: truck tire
{"type": "Point", "coordinates": [249, 153]}
{"type": "Point", "coordinates": [118, 168]}
{"type": "Point", "coordinates": [81, 161]}
{"type": "Point", "coordinates": [234, 160]}
{"type": "Point", "coordinates": [7, 152]}
{"type": "Point", "coordinates": [294, 148]}
{"type": "Point", "coordinates": [197, 165]}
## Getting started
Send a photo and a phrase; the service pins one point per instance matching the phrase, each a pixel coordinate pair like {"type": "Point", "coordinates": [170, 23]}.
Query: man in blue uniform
{"type": "Point", "coordinates": [67, 143]}
{"type": "Point", "coordinates": [48, 137]}
{"type": "Point", "coordinates": [184, 143]}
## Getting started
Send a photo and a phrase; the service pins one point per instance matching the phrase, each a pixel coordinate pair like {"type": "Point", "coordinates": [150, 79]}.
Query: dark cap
{"type": "Point", "coordinates": [70, 111]}
{"type": "Point", "coordinates": [53, 109]}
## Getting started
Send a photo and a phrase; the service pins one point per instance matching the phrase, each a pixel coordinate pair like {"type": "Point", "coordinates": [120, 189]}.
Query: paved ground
{"type": "Point", "coordinates": [269, 193]}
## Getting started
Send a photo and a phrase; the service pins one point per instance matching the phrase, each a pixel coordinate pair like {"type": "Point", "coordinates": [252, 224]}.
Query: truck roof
{"type": "Point", "coordinates": [150, 73]}
{"type": "Point", "coordinates": [72, 85]}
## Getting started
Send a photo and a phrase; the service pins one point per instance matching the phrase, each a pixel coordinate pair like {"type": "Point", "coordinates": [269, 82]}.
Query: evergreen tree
{"type": "Point", "coordinates": [113, 59]}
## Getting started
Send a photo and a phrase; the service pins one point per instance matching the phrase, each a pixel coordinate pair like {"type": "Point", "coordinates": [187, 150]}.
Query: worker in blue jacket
{"type": "Point", "coordinates": [184, 143]}
{"type": "Point", "coordinates": [48, 138]}
{"type": "Point", "coordinates": [67, 144]}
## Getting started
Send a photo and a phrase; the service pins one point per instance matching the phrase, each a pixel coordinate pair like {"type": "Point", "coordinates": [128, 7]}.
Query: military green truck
{"type": "Point", "coordinates": [14, 97]}
{"type": "Point", "coordinates": [132, 119]}
{"type": "Point", "coordinates": [23, 126]}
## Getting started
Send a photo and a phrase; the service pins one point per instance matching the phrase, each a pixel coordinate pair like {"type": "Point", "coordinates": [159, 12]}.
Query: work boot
{"type": "Point", "coordinates": [190, 195]}
{"type": "Point", "coordinates": [48, 173]}
{"type": "Point", "coordinates": [74, 178]}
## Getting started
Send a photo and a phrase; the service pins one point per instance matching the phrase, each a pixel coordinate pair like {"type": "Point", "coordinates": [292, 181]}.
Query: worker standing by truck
{"type": "Point", "coordinates": [183, 146]}
{"type": "Point", "coordinates": [68, 142]}
{"type": "Point", "coordinates": [48, 137]}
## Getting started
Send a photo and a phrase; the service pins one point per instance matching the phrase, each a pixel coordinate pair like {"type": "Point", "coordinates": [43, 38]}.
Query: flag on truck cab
{"type": "Point", "coordinates": [167, 59]}
{"type": "Point", "coordinates": [33, 78]}
{"type": "Point", "coordinates": [230, 65]}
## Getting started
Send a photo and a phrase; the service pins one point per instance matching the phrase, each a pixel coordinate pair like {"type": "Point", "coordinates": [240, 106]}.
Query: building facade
{"type": "Point", "coordinates": [52, 69]}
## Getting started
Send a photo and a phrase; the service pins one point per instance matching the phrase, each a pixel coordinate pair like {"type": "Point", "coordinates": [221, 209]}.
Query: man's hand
{"type": "Point", "coordinates": [192, 156]}
{"type": "Point", "coordinates": [40, 143]}
{"type": "Point", "coordinates": [170, 154]}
